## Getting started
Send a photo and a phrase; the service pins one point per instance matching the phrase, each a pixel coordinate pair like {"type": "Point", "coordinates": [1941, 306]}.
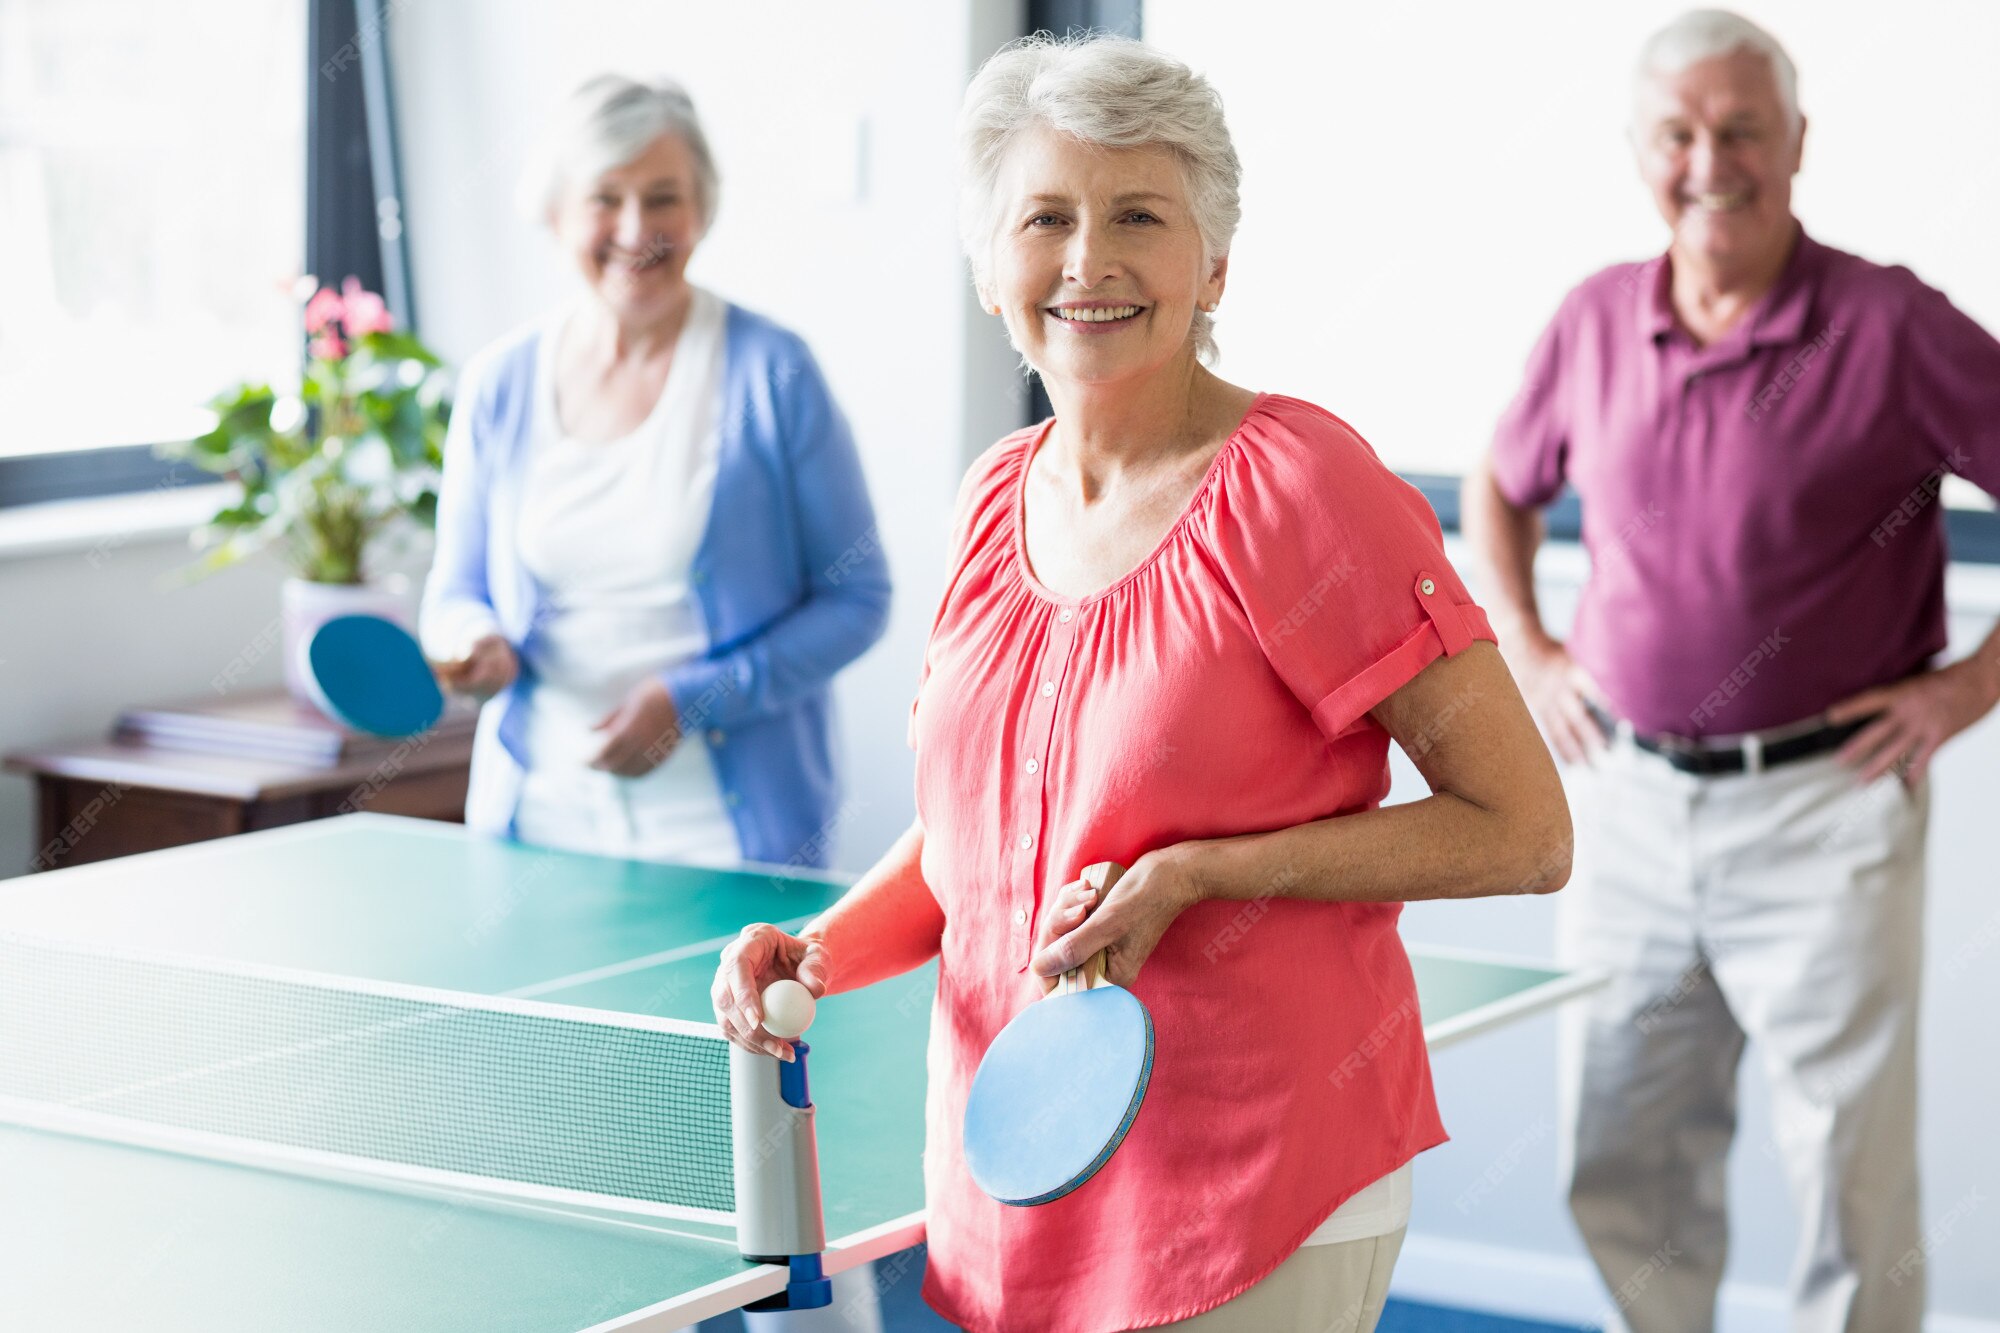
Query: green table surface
{"type": "Point", "coordinates": [100, 1235]}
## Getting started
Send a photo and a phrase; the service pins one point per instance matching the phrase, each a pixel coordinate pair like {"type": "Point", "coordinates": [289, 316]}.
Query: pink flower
{"type": "Point", "coordinates": [322, 310]}
{"type": "Point", "coordinates": [365, 311]}
{"type": "Point", "coordinates": [327, 347]}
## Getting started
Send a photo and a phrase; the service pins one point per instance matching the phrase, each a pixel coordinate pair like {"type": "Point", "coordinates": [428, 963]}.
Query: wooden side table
{"type": "Point", "coordinates": [168, 776]}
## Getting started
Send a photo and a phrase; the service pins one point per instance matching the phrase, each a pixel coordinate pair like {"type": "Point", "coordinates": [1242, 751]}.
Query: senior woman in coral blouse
{"type": "Point", "coordinates": [655, 547]}
{"type": "Point", "coordinates": [1182, 623]}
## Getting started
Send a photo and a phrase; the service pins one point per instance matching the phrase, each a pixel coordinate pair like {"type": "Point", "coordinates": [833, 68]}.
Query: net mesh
{"type": "Point", "coordinates": [528, 1094]}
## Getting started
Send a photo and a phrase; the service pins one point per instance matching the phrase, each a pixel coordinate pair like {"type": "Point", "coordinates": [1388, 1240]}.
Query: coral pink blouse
{"type": "Point", "coordinates": [1220, 688]}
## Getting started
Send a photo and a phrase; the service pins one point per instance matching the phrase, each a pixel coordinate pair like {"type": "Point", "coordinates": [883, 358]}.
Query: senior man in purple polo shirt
{"type": "Point", "coordinates": [1757, 426]}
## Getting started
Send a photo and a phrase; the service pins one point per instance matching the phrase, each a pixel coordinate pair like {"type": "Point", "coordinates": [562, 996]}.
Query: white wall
{"type": "Point", "coordinates": [832, 125]}
{"type": "Point", "coordinates": [91, 627]}
{"type": "Point", "coordinates": [1422, 184]}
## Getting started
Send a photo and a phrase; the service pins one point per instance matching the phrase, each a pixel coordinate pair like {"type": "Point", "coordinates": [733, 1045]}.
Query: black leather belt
{"type": "Point", "coordinates": [1692, 755]}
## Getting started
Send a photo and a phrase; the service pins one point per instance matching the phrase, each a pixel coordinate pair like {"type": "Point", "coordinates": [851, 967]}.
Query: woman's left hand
{"type": "Point", "coordinates": [1124, 912]}
{"type": "Point", "coordinates": [643, 731]}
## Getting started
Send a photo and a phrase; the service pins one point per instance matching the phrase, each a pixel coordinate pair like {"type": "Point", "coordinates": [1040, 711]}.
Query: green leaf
{"type": "Point", "coordinates": [237, 515]}
{"type": "Point", "coordinates": [398, 346]}
{"type": "Point", "coordinates": [367, 456]}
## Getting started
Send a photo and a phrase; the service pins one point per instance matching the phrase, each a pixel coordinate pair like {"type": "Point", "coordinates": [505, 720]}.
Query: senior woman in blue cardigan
{"type": "Point", "coordinates": [655, 546]}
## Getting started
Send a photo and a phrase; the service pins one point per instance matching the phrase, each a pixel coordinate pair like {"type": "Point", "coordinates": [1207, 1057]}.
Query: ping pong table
{"type": "Point", "coordinates": [100, 1234]}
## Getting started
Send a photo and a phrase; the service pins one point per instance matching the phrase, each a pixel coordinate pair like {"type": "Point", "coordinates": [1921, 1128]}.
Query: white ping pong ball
{"type": "Point", "coordinates": [788, 1009]}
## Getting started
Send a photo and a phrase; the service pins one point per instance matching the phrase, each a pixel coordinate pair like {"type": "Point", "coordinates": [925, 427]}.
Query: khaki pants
{"type": "Point", "coordinates": [1785, 907]}
{"type": "Point", "coordinates": [1337, 1288]}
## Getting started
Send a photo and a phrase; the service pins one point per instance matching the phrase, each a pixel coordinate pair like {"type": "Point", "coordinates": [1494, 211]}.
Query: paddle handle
{"type": "Point", "coordinates": [1100, 875]}
{"type": "Point", "coordinates": [1082, 977]}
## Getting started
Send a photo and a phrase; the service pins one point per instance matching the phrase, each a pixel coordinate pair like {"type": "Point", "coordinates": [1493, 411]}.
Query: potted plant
{"type": "Point", "coordinates": [320, 475]}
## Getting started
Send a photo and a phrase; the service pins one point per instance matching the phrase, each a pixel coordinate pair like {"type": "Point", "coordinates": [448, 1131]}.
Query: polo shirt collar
{"type": "Point", "coordinates": [1656, 311]}
{"type": "Point", "coordinates": [1779, 318]}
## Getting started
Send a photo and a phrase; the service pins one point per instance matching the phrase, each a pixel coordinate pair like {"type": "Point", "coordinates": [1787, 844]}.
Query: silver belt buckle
{"type": "Point", "coordinates": [1669, 743]}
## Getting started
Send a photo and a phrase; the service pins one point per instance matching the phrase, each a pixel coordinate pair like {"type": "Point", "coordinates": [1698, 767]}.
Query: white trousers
{"type": "Point", "coordinates": [1785, 907]}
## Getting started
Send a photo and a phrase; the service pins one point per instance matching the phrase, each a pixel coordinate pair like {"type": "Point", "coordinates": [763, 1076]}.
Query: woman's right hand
{"type": "Point", "coordinates": [487, 668]}
{"type": "Point", "coordinates": [759, 956]}
{"type": "Point", "coordinates": [1556, 688]}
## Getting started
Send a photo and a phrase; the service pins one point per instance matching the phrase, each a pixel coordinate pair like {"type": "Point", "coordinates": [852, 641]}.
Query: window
{"type": "Point", "coordinates": [152, 196]}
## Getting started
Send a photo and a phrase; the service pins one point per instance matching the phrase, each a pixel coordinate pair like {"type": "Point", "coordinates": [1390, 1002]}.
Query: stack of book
{"type": "Point", "coordinates": [274, 727]}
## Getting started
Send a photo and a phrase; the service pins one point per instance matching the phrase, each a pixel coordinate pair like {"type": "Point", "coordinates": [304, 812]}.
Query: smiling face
{"type": "Point", "coordinates": [1096, 263]}
{"type": "Point", "coordinates": [631, 230]}
{"type": "Point", "coordinates": [1717, 152]}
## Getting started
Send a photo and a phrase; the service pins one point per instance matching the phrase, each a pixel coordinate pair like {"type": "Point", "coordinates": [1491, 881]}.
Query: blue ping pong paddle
{"type": "Point", "coordinates": [368, 674]}
{"type": "Point", "coordinates": [1058, 1089]}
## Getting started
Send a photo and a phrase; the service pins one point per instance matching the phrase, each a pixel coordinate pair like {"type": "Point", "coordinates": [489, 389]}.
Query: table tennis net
{"type": "Point", "coordinates": [516, 1097]}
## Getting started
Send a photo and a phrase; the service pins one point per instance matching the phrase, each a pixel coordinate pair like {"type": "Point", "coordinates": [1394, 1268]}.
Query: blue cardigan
{"type": "Point", "coordinates": [790, 577]}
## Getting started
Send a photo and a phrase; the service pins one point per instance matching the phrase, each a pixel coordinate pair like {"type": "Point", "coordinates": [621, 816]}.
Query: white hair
{"type": "Point", "coordinates": [608, 121]}
{"type": "Point", "coordinates": [1704, 34]}
{"type": "Point", "coordinates": [1104, 90]}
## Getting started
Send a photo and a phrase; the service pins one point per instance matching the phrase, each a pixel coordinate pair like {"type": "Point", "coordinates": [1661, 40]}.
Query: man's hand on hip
{"type": "Point", "coordinates": [1918, 715]}
{"type": "Point", "coordinates": [1555, 688]}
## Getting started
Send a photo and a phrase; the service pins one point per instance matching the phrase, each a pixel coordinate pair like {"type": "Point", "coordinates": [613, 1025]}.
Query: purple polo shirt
{"type": "Point", "coordinates": [1762, 513]}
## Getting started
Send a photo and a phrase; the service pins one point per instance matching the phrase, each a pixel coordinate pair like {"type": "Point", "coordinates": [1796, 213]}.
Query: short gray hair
{"type": "Point", "coordinates": [1111, 91]}
{"type": "Point", "coordinates": [1704, 34]}
{"type": "Point", "coordinates": [608, 121]}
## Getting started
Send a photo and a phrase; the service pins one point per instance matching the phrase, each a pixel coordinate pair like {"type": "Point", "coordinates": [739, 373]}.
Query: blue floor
{"type": "Point", "coordinates": [904, 1311]}
{"type": "Point", "coordinates": [1408, 1317]}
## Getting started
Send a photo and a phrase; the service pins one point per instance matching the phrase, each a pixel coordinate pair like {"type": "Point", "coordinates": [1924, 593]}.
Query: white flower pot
{"type": "Point", "coordinates": [304, 606]}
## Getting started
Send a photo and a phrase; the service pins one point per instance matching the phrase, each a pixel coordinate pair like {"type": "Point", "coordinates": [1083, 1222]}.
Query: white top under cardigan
{"type": "Point", "coordinates": [610, 530]}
